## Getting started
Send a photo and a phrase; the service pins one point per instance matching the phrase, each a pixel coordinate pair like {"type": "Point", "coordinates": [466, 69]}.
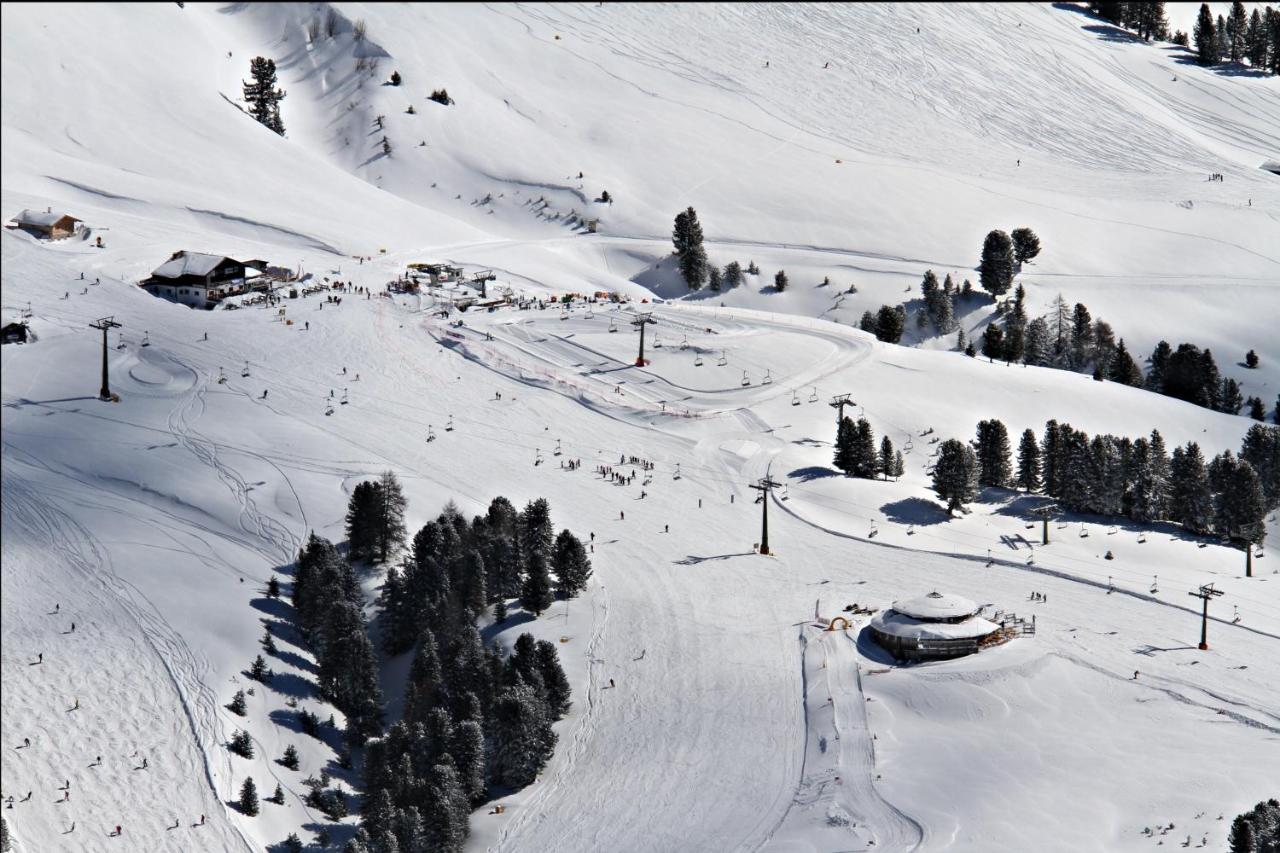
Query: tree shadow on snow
{"type": "Point", "coordinates": [1223, 69]}
{"type": "Point", "coordinates": [1108, 32]}
{"type": "Point", "coordinates": [296, 661]}
{"type": "Point", "coordinates": [914, 511]}
{"type": "Point", "coordinates": [693, 560]}
{"type": "Point", "coordinates": [287, 718]}
{"type": "Point", "coordinates": [812, 472]}
{"type": "Point", "coordinates": [514, 618]}
{"type": "Point", "coordinates": [274, 607]}
{"type": "Point", "coordinates": [288, 684]}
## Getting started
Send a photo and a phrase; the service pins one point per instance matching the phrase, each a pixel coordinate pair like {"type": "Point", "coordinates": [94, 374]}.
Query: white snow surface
{"type": "Point", "coordinates": [936, 605]}
{"type": "Point", "coordinates": [737, 722]}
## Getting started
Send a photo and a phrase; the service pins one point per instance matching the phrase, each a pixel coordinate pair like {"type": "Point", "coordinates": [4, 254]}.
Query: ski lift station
{"type": "Point", "coordinates": [939, 626]}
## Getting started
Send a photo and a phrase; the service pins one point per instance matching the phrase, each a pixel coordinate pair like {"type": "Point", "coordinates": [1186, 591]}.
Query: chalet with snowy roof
{"type": "Point", "coordinates": [196, 279]}
{"type": "Point", "coordinates": [49, 224]}
{"type": "Point", "coordinates": [938, 626]}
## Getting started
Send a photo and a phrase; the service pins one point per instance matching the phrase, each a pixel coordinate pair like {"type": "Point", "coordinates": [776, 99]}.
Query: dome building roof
{"type": "Point", "coordinates": [936, 606]}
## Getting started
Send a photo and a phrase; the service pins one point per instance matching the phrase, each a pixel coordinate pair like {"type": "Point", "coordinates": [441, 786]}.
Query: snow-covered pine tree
{"type": "Point", "coordinates": [1256, 41]}
{"type": "Point", "coordinates": [715, 281]}
{"type": "Point", "coordinates": [391, 506]}
{"type": "Point", "coordinates": [955, 475]}
{"type": "Point", "coordinates": [1123, 368]}
{"type": "Point", "coordinates": [1026, 245]}
{"type": "Point", "coordinates": [899, 466]}
{"type": "Point", "coordinates": [1222, 39]}
{"type": "Point", "coordinates": [780, 280]}
{"type": "Point", "coordinates": [1036, 348]}
{"type": "Point", "coordinates": [277, 796]}
{"type": "Point", "coordinates": [5, 844]}
{"type": "Point", "coordinates": [535, 594]}
{"type": "Point", "coordinates": [273, 587]}
{"type": "Point", "coordinates": [866, 461]}
{"type": "Point", "coordinates": [1029, 462]}
{"type": "Point", "coordinates": [571, 565]}
{"type": "Point", "coordinates": [868, 322]}
{"type": "Point", "coordinates": [1261, 449]}
{"type": "Point", "coordinates": [554, 681]}
{"type": "Point", "coordinates": [846, 434]}
{"type": "Point", "coordinates": [522, 738]}
{"type": "Point", "coordinates": [996, 267]}
{"type": "Point", "coordinates": [732, 274]}
{"type": "Point", "coordinates": [1237, 32]}
{"type": "Point", "coordinates": [361, 521]}
{"type": "Point", "coordinates": [1251, 360]}
{"type": "Point", "coordinates": [262, 96]}
{"type": "Point", "coordinates": [1106, 477]}
{"type": "Point", "coordinates": [1159, 360]}
{"type": "Point", "coordinates": [890, 323]}
{"type": "Point", "coordinates": [1242, 505]}
{"type": "Point", "coordinates": [290, 757]}
{"type": "Point", "coordinates": [1081, 337]}
{"type": "Point", "coordinates": [421, 693]}
{"type": "Point", "coordinates": [1104, 346]}
{"type": "Point", "coordinates": [467, 749]}
{"type": "Point", "coordinates": [446, 809]}
{"type": "Point", "coordinates": [249, 797]}
{"type": "Point", "coordinates": [241, 744]}
{"type": "Point", "coordinates": [993, 342]}
{"type": "Point", "coordinates": [691, 256]}
{"type": "Point", "coordinates": [993, 454]}
{"type": "Point", "coordinates": [886, 457]}
{"type": "Point", "coordinates": [258, 671]}
{"type": "Point", "coordinates": [1191, 499]}
{"type": "Point", "coordinates": [1257, 409]}
{"type": "Point", "coordinates": [500, 611]}
{"type": "Point", "coordinates": [1230, 399]}
{"type": "Point", "coordinates": [237, 704]}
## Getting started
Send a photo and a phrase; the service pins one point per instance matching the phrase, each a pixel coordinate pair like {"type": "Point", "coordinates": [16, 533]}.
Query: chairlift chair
{"type": "Point", "coordinates": [684, 344]}
{"type": "Point", "coordinates": [613, 327]}
{"type": "Point", "coordinates": [328, 406]}
{"type": "Point", "coordinates": [120, 344]}
{"type": "Point", "coordinates": [431, 433]}
{"type": "Point", "coordinates": [795, 398]}
{"type": "Point", "coordinates": [1155, 584]}
{"type": "Point", "coordinates": [344, 397]}
{"type": "Point", "coordinates": [813, 395]}
{"type": "Point", "coordinates": [222, 377]}
{"type": "Point", "coordinates": [768, 378]}
{"type": "Point", "coordinates": [449, 426]}
{"type": "Point", "coordinates": [786, 491]}
{"type": "Point", "coordinates": [724, 359]}
{"type": "Point", "coordinates": [745, 381]}
{"type": "Point", "coordinates": [697, 360]}
{"type": "Point", "coordinates": [557, 450]}
{"type": "Point", "coordinates": [146, 338]}
{"type": "Point", "coordinates": [657, 341]}
{"type": "Point", "coordinates": [676, 475]}
{"type": "Point", "coordinates": [244, 374]}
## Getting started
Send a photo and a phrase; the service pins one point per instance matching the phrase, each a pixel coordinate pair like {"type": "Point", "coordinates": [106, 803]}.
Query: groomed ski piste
{"type": "Point", "coordinates": [737, 721]}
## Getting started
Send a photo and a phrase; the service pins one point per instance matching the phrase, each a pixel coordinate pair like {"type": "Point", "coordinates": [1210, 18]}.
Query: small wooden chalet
{"type": "Point", "coordinates": [49, 225]}
{"type": "Point", "coordinates": [196, 279]}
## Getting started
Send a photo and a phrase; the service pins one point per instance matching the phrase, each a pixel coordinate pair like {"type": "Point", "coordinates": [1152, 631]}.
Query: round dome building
{"type": "Point", "coordinates": [935, 627]}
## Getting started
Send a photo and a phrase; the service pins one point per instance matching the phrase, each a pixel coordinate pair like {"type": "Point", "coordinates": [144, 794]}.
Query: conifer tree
{"type": "Point", "coordinates": [955, 475]}
{"type": "Point", "coordinates": [868, 322]}
{"type": "Point", "coordinates": [1261, 449]}
{"type": "Point", "coordinates": [996, 267]}
{"type": "Point", "coordinates": [1237, 32]}
{"type": "Point", "coordinates": [715, 280]}
{"type": "Point", "coordinates": [1028, 462]}
{"type": "Point", "coordinates": [890, 323]}
{"type": "Point", "coordinates": [899, 467]}
{"type": "Point", "coordinates": [691, 256]}
{"type": "Point", "coordinates": [1256, 41]}
{"type": "Point", "coordinates": [732, 274]}
{"type": "Point", "coordinates": [390, 506]}
{"type": "Point", "coordinates": [845, 459]}
{"type": "Point", "coordinates": [535, 595]}
{"type": "Point", "coordinates": [362, 525]}
{"type": "Point", "coordinates": [886, 457]}
{"type": "Point", "coordinates": [866, 461]}
{"type": "Point", "coordinates": [522, 737]}
{"type": "Point", "coordinates": [1257, 409]}
{"type": "Point", "coordinates": [249, 797]}
{"type": "Point", "coordinates": [993, 454]}
{"type": "Point", "coordinates": [5, 844]}
{"type": "Point", "coordinates": [258, 671]}
{"type": "Point", "coordinates": [273, 587]}
{"type": "Point", "coordinates": [446, 811]}
{"type": "Point", "coordinates": [467, 750]}
{"type": "Point", "coordinates": [1026, 245]}
{"type": "Point", "coordinates": [1230, 399]}
{"type": "Point", "coordinates": [554, 681]}
{"type": "Point", "coordinates": [1124, 369]}
{"type": "Point", "coordinates": [293, 844]}
{"type": "Point", "coordinates": [1081, 337]}
{"type": "Point", "coordinates": [1191, 501]}
{"type": "Point", "coordinates": [1251, 360]}
{"type": "Point", "coordinates": [780, 280]}
{"type": "Point", "coordinates": [241, 744]}
{"type": "Point", "coordinates": [1206, 38]}
{"type": "Point", "coordinates": [290, 757]}
{"type": "Point", "coordinates": [237, 705]}
{"type": "Point", "coordinates": [993, 342]}
{"type": "Point", "coordinates": [1160, 358]}
{"type": "Point", "coordinates": [262, 96]}
{"type": "Point", "coordinates": [571, 565]}
{"type": "Point", "coordinates": [1036, 347]}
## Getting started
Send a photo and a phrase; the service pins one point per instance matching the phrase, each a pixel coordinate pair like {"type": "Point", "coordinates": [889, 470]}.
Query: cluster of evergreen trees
{"type": "Point", "coordinates": [1257, 830]}
{"type": "Point", "coordinates": [456, 569]}
{"type": "Point", "coordinates": [1002, 255]}
{"type": "Point", "coordinates": [329, 605]}
{"type": "Point", "coordinates": [696, 270]}
{"type": "Point", "coordinates": [1238, 37]}
{"type": "Point", "coordinates": [856, 453]}
{"type": "Point", "coordinates": [887, 324]}
{"type": "Point", "coordinates": [1146, 19]}
{"type": "Point", "coordinates": [375, 519]}
{"type": "Point", "coordinates": [1138, 479]}
{"type": "Point", "coordinates": [939, 303]}
{"type": "Point", "coordinates": [261, 94]}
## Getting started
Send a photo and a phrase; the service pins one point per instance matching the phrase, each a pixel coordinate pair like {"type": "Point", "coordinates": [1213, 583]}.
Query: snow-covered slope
{"type": "Point", "coordinates": [153, 523]}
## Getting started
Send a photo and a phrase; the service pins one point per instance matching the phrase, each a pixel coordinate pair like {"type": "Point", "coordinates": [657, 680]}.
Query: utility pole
{"type": "Point", "coordinates": [1206, 592]}
{"type": "Point", "coordinates": [640, 322]}
{"type": "Point", "coordinates": [765, 487]}
{"type": "Point", "coordinates": [105, 324]}
{"type": "Point", "coordinates": [838, 402]}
